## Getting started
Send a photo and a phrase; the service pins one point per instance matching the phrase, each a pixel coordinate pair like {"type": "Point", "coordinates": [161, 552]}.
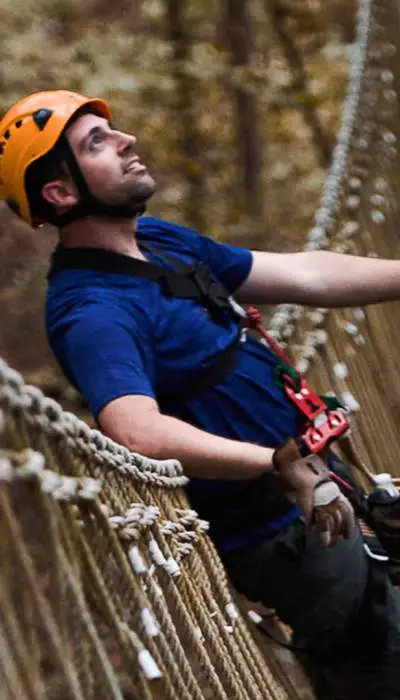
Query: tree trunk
{"type": "Point", "coordinates": [185, 114]}
{"type": "Point", "coordinates": [239, 39]}
{"type": "Point", "coordinates": [321, 139]}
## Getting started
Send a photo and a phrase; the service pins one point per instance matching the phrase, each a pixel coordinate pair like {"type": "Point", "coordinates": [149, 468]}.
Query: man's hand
{"type": "Point", "coordinates": [317, 495]}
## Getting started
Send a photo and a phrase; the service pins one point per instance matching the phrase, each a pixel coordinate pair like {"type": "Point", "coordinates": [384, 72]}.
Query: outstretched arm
{"type": "Point", "coordinates": [320, 278]}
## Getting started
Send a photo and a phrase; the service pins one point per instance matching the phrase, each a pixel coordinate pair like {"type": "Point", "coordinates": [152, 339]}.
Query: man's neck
{"type": "Point", "coordinates": [118, 235]}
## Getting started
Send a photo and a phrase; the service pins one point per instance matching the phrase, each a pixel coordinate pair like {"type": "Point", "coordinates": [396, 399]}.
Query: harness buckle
{"type": "Point", "coordinates": [328, 426]}
{"type": "Point", "coordinates": [211, 293]}
{"type": "Point", "coordinates": [322, 424]}
{"type": "Point", "coordinates": [304, 398]}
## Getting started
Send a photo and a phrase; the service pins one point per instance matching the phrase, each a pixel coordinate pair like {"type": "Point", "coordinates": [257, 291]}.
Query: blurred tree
{"type": "Point", "coordinates": [301, 95]}
{"type": "Point", "coordinates": [237, 31]}
{"type": "Point", "coordinates": [186, 114]}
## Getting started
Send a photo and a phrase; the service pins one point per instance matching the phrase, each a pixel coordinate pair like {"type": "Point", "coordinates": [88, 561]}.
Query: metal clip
{"type": "Point", "coordinates": [318, 436]}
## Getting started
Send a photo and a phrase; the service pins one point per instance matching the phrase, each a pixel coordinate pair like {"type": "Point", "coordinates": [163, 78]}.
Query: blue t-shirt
{"type": "Point", "coordinates": [115, 335]}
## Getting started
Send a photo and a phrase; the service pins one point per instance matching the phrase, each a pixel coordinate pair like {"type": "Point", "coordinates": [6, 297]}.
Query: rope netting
{"type": "Point", "coordinates": [110, 586]}
{"type": "Point", "coordinates": [355, 352]}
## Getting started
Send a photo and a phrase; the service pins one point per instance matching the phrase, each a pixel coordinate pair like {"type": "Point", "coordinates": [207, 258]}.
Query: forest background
{"type": "Point", "coordinates": [235, 104]}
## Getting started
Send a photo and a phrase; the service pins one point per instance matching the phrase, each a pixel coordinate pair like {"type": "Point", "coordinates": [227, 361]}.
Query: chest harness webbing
{"type": "Point", "coordinates": [323, 422]}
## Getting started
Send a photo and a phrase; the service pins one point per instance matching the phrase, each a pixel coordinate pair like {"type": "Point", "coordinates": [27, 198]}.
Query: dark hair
{"type": "Point", "coordinates": [47, 168]}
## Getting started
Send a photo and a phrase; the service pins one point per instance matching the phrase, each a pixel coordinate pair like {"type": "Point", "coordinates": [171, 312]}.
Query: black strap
{"type": "Point", "coordinates": [188, 282]}
{"type": "Point", "coordinates": [204, 379]}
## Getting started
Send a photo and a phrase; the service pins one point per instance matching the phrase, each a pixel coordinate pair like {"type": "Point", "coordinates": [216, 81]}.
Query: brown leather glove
{"type": "Point", "coordinates": [318, 496]}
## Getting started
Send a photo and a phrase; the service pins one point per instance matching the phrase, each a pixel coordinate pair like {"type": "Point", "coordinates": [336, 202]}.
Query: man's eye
{"type": "Point", "coordinates": [96, 139]}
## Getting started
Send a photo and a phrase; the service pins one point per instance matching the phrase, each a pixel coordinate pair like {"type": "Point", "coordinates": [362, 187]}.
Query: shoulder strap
{"type": "Point", "coordinates": [189, 282]}
{"type": "Point", "coordinates": [102, 260]}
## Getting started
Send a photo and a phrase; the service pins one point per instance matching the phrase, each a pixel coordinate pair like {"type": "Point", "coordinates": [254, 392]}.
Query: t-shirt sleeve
{"type": "Point", "coordinates": [231, 264]}
{"type": "Point", "coordinates": [106, 358]}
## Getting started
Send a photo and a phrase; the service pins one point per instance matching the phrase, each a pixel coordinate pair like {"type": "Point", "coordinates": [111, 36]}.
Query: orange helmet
{"type": "Point", "coordinates": [28, 131]}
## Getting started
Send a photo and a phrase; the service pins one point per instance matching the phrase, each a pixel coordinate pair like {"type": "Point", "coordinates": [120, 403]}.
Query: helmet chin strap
{"type": "Point", "coordinates": [88, 204]}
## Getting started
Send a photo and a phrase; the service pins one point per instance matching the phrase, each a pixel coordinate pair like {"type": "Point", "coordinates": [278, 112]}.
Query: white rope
{"type": "Point", "coordinates": [155, 553]}
{"type": "Point", "coordinates": [59, 487]}
{"type": "Point", "coordinates": [150, 623]}
{"type": "Point", "coordinates": [136, 560]}
{"type": "Point", "coordinates": [185, 531]}
{"type": "Point", "coordinates": [148, 665]}
{"type": "Point", "coordinates": [231, 611]}
{"type": "Point", "coordinates": [280, 325]}
{"type": "Point", "coordinates": [49, 416]}
{"type": "Point", "coordinates": [131, 525]}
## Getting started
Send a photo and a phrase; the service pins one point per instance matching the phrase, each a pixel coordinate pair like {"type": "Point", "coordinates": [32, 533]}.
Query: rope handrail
{"type": "Point", "coordinates": [47, 413]}
{"type": "Point", "coordinates": [325, 217]}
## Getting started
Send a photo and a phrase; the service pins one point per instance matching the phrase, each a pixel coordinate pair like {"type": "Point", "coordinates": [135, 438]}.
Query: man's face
{"type": "Point", "coordinates": [107, 158]}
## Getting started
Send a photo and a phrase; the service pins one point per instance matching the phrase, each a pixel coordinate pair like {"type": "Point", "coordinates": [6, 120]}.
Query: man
{"type": "Point", "coordinates": [142, 356]}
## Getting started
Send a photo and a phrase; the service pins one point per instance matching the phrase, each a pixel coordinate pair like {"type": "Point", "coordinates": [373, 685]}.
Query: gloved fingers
{"type": "Point", "coordinates": [334, 521]}
{"type": "Point", "coordinates": [339, 520]}
{"type": "Point", "coordinates": [344, 518]}
{"type": "Point", "coordinates": [305, 501]}
{"type": "Point", "coordinates": [325, 539]}
{"type": "Point", "coordinates": [326, 516]}
{"type": "Point", "coordinates": [330, 518]}
{"type": "Point", "coordinates": [325, 523]}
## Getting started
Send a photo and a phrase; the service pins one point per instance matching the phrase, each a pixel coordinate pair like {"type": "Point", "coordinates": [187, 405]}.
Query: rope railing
{"type": "Point", "coordinates": [354, 352]}
{"type": "Point", "coordinates": [110, 587]}
{"type": "Point", "coordinates": [325, 220]}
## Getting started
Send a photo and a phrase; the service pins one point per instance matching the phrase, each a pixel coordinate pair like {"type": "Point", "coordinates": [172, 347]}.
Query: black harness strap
{"type": "Point", "coordinates": [188, 282]}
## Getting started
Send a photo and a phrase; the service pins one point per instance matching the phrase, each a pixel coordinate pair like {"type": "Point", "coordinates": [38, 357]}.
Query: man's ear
{"type": "Point", "coordinates": [60, 193]}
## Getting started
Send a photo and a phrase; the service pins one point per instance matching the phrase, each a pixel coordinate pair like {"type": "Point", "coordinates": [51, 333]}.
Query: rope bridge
{"type": "Point", "coordinates": [110, 586]}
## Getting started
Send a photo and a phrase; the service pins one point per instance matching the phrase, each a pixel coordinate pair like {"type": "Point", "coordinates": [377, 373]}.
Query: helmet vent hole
{"type": "Point", "coordinates": [41, 117]}
{"type": "Point", "coordinates": [18, 124]}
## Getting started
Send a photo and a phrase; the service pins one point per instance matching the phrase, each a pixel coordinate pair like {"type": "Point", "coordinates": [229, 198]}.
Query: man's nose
{"type": "Point", "coordinates": [125, 141]}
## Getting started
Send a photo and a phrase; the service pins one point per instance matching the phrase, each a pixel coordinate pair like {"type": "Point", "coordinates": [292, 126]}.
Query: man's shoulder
{"type": "Point", "coordinates": [167, 234]}
{"type": "Point", "coordinates": [155, 225]}
{"type": "Point", "coordinates": [94, 323]}
{"type": "Point", "coordinates": [94, 308]}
